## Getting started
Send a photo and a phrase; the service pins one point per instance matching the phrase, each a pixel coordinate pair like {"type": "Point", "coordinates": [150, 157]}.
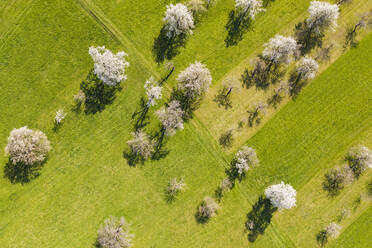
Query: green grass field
{"type": "Point", "coordinates": [44, 57]}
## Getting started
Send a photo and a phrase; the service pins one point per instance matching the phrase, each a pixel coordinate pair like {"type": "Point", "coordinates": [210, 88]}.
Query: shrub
{"type": "Point", "coordinates": [114, 234]}
{"type": "Point", "coordinates": [207, 209]}
{"type": "Point", "coordinates": [27, 146]}
{"type": "Point", "coordinates": [359, 159]}
{"type": "Point", "coordinates": [336, 179]}
{"type": "Point", "coordinates": [281, 196]}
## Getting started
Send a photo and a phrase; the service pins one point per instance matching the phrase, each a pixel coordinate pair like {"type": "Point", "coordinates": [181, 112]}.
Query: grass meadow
{"type": "Point", "coordinates": [43, 59]}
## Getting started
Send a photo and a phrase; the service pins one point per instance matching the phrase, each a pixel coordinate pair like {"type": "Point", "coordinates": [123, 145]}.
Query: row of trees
{"type": "Point", "coordinates": [358, 160]}
{"type": "Point", "coordinates": [279, 196]}
{"type": "Point", "coordinates": [270, 66]}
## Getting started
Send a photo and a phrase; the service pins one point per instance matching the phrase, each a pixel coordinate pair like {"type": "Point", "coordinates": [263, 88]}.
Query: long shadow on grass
{"type": "Point", "coordinates": [165, 47]}
{"type": "Point", "coordinates": [21, 173]}
{"type": "Point", "coordinates": [236, 27]}
{"type": "Point", "coordinates": [141, 117]}
{"type": "Point", "coordinates": [259, 218]}
{"type": "Point", "coordinates": [97, 94]}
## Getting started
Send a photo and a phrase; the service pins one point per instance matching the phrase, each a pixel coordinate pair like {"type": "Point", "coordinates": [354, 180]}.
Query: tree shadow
{"type": "Point", "coordinates": [132, 158]}
{"type": "Point", "coordinates": [166, 77]}
{"type": "Point", "coordinates": [165, 47]}
{"type": "Point", "coordinates": [226, 139]}
{"type": "Point", "coordinates": [296, 84]}
{"type": "Point", "coordinates": [322, 238]}
{"type": "Point", "coordinates": [97, 94]}
{"type": "Point", "coordinates": [21, 173]}
{"type": "Point", "coordinates": [187, 104]}
{"type": "Point", "coordinates": [266, 3]}
{"type": "Point", "coordinates": [140, 117]}
{"type": "Point", "coordinates": [275, 100]}
{"type": "Point", "coordinates": [223, 98]}
{"type": "Point", "coordinates": [307, 38]}
{"type": "Point", "coordinates": [262, 75]}
{"type": "Point", "coordinates": [236, 27]}
{"type": "Point", "coordinates": [160, 151]}
{"type": "Point", "coordinates": [259, 218]}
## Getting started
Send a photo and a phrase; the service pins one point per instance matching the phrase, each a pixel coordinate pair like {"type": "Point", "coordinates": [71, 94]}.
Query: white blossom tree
{"type": "Point", "coordinates": [178, 20]}
{"type": "Point", "coordinates": [115, 234]}
{"type": "Point", "coordinates": [248, 8]}
{"type": "Point", "coordinates": [323, 15]}
{"type": "Point", "coordinates": [280, 49]}
{"type": "Point", "coordinates": [282, 196]}
{"type": "Point", "coordinates": [109, 67]}
{"type": "Point", "coordinates": [141, 144]}
{"type": "Point", "coordinates": [307, 68]}
{"type": "Point", "coordinates": [153, 91]}
{"type": "Point", "coordinates": [171, 117]}
{"type": "Point", "coordinates": [245, 158]}
{"type": "Point", "coordinates": [194, 80]}
{"type": "Point", "coordinates": [27, 146]}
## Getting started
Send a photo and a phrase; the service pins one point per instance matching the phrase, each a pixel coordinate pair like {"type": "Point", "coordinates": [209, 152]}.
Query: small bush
{"type": "Point", "coordinates": [225, 186]}
{"type": "Point", "coordinates": [175, 187]}
{"type": "Point", "coordinates": [333, 230]}
{"type": "Point", "coordinates": [27, 146]}
{"type": "Point", "coordinates": [59, 117]}
{"type": "Point", "coordinates": [114, 234]}
{"type": "Point", "coordinates": [207, 209]}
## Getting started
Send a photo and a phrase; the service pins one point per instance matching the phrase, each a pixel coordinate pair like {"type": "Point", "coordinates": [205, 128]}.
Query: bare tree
{"type": "Point", "coordinates": [255, 114]}
{"type": "Point", "coordinates": [279, 93]}
{"type": "Point", "coordinates": [352, 31]}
